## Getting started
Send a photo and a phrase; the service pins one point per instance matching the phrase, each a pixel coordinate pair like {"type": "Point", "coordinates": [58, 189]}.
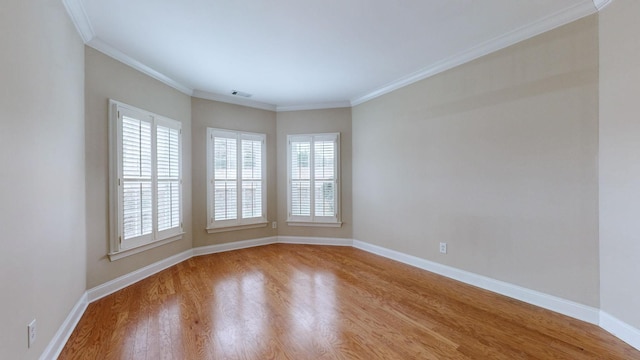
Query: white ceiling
{"type": "Point", "coordinates": [292, 54]}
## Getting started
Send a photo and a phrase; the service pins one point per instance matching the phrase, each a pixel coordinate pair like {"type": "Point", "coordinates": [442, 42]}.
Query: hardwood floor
{"type": "Point", "coordinates": [322, 302]}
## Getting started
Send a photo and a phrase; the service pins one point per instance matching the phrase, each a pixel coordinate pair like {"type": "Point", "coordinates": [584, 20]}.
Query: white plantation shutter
{"type": "Point", "coordinates": [168, 168]}
{"type": "Point", "coordinates": [251, 177]}
{"type": "Point", "coordinates": [324, 177]}
{"type": "Point", "coordinates": [225, 176]}
{"type": "Point", "coordinates": [136, 176]}
{"type": "Point", "coordinates": [236, 176]}
{"type": "Point", "coordinates": [146, 156]}
{"type": "Point", "coordinates": [313, 194]}
{"type": "Point", "coordinates": [301, 176]}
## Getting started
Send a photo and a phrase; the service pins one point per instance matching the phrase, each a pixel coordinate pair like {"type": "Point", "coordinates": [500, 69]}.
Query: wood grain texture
{"type": "Point", "coordinates": [322, 302]}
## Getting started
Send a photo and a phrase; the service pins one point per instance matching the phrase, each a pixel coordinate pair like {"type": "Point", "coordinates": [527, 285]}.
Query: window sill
{"type": "Point", "coordinates": [315, 224]}
{"type": "Point", "coordinates": [214, 230]}
{"type": "Point", "coordinates": [113, 256]}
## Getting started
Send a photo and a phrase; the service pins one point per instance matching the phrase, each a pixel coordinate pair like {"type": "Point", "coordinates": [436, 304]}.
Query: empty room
{"type": "Point", "coordinates": [348, 179]}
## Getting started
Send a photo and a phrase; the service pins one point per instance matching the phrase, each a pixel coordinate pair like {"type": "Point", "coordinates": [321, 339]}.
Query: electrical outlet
{"type": "Point", "coordinates": [443, 248]}
{"type": "Point", "coordinates": [274, 225]}
{"type": "Point", "coordinates": [31, 328]}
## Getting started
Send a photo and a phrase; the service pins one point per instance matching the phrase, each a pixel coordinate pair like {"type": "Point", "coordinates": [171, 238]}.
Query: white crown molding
{"type": "Point", "coordinates": [319, 106]}
{"type": "Point", "coordinates": [53, 350]}
{"type": "Point", "coordinates": [110, 51]}
{"type": "Point", "coordinates": [79, 17]}
{"type": "Point", "coordinates": [601, 4]}
{"type": "Point", "coordinates": [620, 329]}
{"type": "Point", "coordinates": [233, 100]}
{"type": "Point", "coordinates": [545, 24]}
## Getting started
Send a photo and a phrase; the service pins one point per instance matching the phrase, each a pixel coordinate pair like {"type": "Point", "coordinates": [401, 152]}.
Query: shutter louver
{"type": "Point", "coordinates": [300, 178]}
{"type": "Point", "coordinates": [225, 178]}
{"type": "Point", "coordinates": [168, 168]}
{"type": "Point", "coordinates": [324, 176]}
{"type": "Point", "coordinates": [136, 181]}
{"type": "Point", "coordinates": [251, 178]}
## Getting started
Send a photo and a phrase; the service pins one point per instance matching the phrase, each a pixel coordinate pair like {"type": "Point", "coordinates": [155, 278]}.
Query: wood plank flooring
{"type": "Point", "coordinates": [322, 302]}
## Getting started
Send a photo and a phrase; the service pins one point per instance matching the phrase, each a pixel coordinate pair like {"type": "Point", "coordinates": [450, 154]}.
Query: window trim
{"type": "Point", "coordinates": [118, 249]}
{"type": "Point", "coordinates": [239, 223]}
{"type": "Point", "coordinates": [312, 220]}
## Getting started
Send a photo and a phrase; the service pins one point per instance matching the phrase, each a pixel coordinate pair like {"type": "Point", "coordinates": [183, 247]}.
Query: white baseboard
{"type": "Point", "coordinates": [237, 245]}
{"type": "Point", "coordinates": [620, 329]}
{"type": "Point", "coordinates": [131, 278]}
{"type": "Point", "coordinates": [56, 344]}
{"type": "Point", "coordinates": [303, 240]}
{"type": "Point", "coordinates": [550, 302]}
{"type": "Point", "coordinates": [579, 311]}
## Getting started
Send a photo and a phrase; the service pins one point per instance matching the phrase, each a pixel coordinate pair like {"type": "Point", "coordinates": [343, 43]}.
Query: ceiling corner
{"type": "Point", "coordinates": [601, 4]}
{"type": "Point", "coordinates": [79, 17]}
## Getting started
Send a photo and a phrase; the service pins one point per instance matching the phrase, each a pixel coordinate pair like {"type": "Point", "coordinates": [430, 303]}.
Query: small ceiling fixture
{"type": "Point", "coordinates": [240, 93]}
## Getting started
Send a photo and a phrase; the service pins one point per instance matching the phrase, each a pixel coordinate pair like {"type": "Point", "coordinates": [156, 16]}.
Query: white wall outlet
{"type": "Point", "coordinates": [274, 225]}
{"type": "Point", "coordinates": [443, 248]}
{"type": "Point", "coordinates": [31, 328]}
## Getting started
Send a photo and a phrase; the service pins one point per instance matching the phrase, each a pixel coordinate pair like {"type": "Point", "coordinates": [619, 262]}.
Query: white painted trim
{"type": "Point", "coordinates": [620, 329]}
{"type": "Point", "coordinates": [304, 240]}
{"type": "Point", "coordinates": [131, 278]}
{"type": "Point", "coordinates": [110, 51]}
{"type": "Point", "coordinates": [314, 224]}
{"type": "Point", "coordinates": [233, 100]}
{"type": "Point", "coordinates": [547, 23]}
{"type": "Point", "coordinates": [214, 230]}
{"type": "Point", "coordinates": [550, 302]}
{"type": "Point", "coordinates": [601, 4]}
{"type": "Point", "coordinates": [128, 252]}
{"type": "Point", "coordinates": [237, 245]}
{"type": "Point", "coordinates": [623, 331]}
{"type": "Point", "coordinates": [65, 330]}
{"type": "Point", "coordinates": [329, 105]}
{"type": "Point", "coordinates": [79, 17]}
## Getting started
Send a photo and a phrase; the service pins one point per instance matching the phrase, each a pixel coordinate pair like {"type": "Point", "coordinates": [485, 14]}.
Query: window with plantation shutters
{"type": "Point", "coordinates": [236, 196]}
{"type": "Point", "coordinates": [313, 179]}
{"type": "Point", "coordinates": [146, 184]}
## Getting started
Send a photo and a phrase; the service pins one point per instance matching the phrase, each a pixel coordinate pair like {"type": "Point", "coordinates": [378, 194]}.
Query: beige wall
{"type": "Point", "coordinates": [498, 158]}
{"type": "Point", "coordinates": [309, 122]}
{"type": "Point", "coordinates": [42, 246]}
{"type": "Point", "coordinates": [208, 113]}
{"type": "Point", "coordinates": [106, 78]}
{"type": "Point", "coordinates": [620, 161]}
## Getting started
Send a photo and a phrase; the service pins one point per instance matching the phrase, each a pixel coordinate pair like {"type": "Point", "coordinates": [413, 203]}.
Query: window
{"type": "Point", "coordinates": [236, 195]}
{"type": "Point", "coordinates": [313, 180]}
{"type": "Point", "coordinates": [146, 180]}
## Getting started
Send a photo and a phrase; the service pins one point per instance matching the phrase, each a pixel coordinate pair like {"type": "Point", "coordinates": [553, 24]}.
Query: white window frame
{"type": "Point", "coordinates": [312, 220]}
{"type": "Point", "coordinates": [239, 223]}
{"type": "Point", "coordinates": [120, 247]}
